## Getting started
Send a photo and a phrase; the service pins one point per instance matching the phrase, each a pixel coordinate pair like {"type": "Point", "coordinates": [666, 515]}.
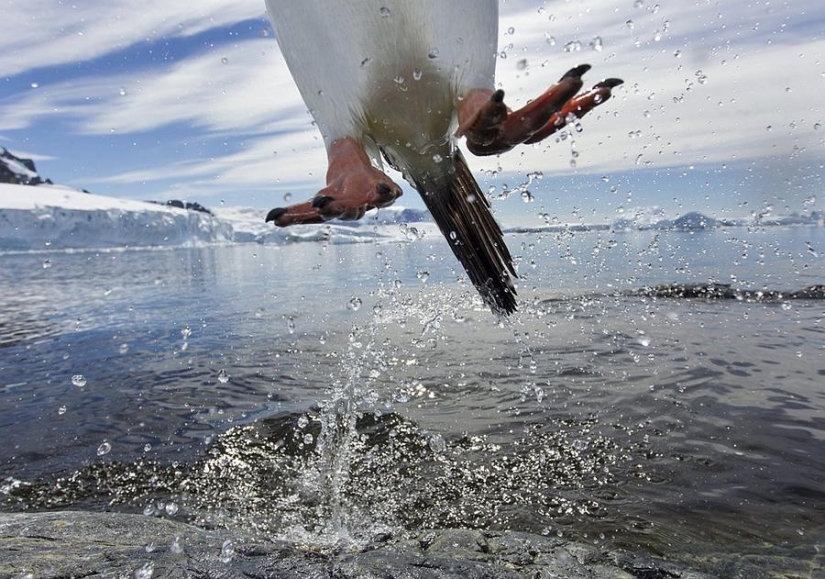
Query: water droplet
{"type": "Point", "coordinates": [62, 410]}
{"type": "Point", "coordinates": [417, 74]}
{"type": "Point", "coordinates": [303, 421]}
{"type": "Point", "coordinates": [223, 376]}
{"type": "Point", "coordinates": [171, 509]}
{"type": "Point", "coordinates": [287, 197]}
{"type": "Point", "coordinates": [526, 196]}
{"type": "Point", "coordinates": [678, 54]}
{"type": "Point", "coordinates": [638, 3]}
{"type": "Point", "coordinates": [147, 447]}
{"type": "Point", "coordinates": [630, 24]}
{"type": "Point", "coordinates": [597, 44]}
{"type": "Point", "coordinates": [437, 444]}
{"type": "Point", "coordinates": [47, 264]}
{"type": "Point", "coordinates": [355, 304]}
{"type": "Point", "coordinates": [122, 91]}
{"type": "Point", "coordinates": [521, 64]}
{"type": "Point", "coordinates": [34, 85]}
{"type": "Point", "coordinates": [176, 546]}
{"type": "Point", "coordinates": [385, 12]}
{"type": "Point", "coordinates": [79, 380]}
{"type": "Point", "coordinates": [227, 552]}
{"type": "Point", "coordinates": [104, 448]}
{"type": "Point", "coordinates": [146, 571]}
{"type": "Point", "coordinates": [290, 325]}
{"type": "Point", "coordinates": [423, 275]}
{"type": "Point", "coordinates": [186, 332]}
{"type": "Point", "coordinates": [437, 158]}
{"type": "Point", "coordinates": [573, 46]}
{"type": "Point", "coordinates": [432, 53]}
{"type": "Point", "coordinates": [308, 438]}
{"type": "Point", "coordinates": [224, 60]}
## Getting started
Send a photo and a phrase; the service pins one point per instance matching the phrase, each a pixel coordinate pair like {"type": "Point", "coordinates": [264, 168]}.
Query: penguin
{"type": "Point", "coordinates": [403, 81]}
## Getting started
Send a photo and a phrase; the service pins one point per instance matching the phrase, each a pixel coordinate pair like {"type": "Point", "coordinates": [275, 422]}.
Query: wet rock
{"type": "Point", "coordinates": [722, 291]}
{"type": "Point", "coordinates": [74, 544]}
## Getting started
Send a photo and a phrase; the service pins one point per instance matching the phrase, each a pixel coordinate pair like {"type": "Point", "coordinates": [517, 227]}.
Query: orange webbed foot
{"type": "Point", "coordinates": [491, 128]}
{"type": "Point", "coordinates": [354, 187]}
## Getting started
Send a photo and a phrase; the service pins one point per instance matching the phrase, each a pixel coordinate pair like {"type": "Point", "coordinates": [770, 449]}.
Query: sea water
{"type": "Point", "coordinates": [329, 393]}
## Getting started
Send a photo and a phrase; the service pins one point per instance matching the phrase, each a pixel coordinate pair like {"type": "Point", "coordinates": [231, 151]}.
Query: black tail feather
{"type": "Point", "coordinates": [464, 216]}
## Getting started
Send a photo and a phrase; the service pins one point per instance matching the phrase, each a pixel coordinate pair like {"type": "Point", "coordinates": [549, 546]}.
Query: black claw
{"type": "Point", "coordinates": [609, 83]}
{"type": "Point", "coordinates": [498, 96]}
{"type": "Point", "coordinates": [275, 214]}
{"type": "Point", "coordinates": [321, 201]}
{"type": "Point", "coordinates": [577, 72]}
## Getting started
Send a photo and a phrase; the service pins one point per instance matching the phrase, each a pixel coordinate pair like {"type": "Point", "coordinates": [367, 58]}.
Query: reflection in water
{"type": "Point", "coordinates": [252, 392]}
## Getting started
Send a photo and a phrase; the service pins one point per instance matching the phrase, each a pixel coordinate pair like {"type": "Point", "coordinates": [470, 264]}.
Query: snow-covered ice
{"type": "Point", "coordinates": [55, 217]}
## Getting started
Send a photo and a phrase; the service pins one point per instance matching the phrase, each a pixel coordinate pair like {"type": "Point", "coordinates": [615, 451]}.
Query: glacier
{"type": "Point", "coordinates": [48, 217]}
{"type": "Point", "coordinates": [54, 217]}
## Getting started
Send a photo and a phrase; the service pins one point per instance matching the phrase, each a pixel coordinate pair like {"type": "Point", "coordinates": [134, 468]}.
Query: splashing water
{"type": "Point", "coordinates": [347, 400]}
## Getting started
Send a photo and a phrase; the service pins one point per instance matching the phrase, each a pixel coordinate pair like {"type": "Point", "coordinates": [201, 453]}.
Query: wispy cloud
{"type": "Point", "coordinates": [706, 83]}
{"type": "Point", "coordinates": [42, 33]}
{"type": "Point", "coordinates": [245, 88]}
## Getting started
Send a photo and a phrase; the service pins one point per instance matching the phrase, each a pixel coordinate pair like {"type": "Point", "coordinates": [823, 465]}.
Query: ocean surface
{"type": "Point", "coordinates": [329, 393]}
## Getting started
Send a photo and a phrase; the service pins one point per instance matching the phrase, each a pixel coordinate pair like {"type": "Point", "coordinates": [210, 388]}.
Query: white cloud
{"type": "Point", "coordinates": [710, 104]}
{"type": "Point", "coordinates": [741, 67]}
{"type": "Point", "coordinates": [40, 33]}
{"type": "Point", "coordinates": [245, 88]}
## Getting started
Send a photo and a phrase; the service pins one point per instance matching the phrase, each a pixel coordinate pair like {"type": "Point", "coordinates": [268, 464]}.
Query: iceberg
{"type": "Point", "coordinates": [55, 217]}
{"type": "Point", "coordinates": [47, 217]}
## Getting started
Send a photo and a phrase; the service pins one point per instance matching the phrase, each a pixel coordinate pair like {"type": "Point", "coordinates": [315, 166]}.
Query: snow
{"type": "Point", "coordinates": [54, 217]}
{"type": "Point", "coordinates": [377, 226]}
{"type": "Point", "coordinates": [23, 197]}
{"type": "Point", "coordinates": [48, 217]}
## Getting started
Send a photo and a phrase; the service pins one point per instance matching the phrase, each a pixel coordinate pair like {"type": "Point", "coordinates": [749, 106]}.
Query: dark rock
{"type": "Point", "coordinates": [75, 544]}
{"type": "Point", "coordinates": [722, 291]}
{"type": "Point", "coordinates": [18, 171]}
{"type": "Point", "coordinates": [190, 205]}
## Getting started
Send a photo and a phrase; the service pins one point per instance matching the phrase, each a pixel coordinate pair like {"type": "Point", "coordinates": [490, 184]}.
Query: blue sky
{"type": "Point", "coordinates": [721, 110]}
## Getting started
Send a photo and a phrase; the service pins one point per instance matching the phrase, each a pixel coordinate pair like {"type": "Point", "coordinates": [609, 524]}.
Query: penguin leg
{"type": "Point", "coordinates": [354, 186]}
{"type": "Point", "coordinates": [491, 128]}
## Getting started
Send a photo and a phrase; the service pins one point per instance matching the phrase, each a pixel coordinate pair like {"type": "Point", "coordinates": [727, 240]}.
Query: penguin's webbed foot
{"type": "Point", "coordinates": [354, 187]}
{"type": "Point", "coordinates": [491, 128]}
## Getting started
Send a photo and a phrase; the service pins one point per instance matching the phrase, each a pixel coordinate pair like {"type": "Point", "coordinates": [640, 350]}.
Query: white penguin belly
{"type": "Point", "coordinates": [363, 66]}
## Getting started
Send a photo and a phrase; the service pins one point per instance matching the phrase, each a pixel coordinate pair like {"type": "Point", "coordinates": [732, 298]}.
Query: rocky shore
{"type": "Point", "coordinates": [76, 544]}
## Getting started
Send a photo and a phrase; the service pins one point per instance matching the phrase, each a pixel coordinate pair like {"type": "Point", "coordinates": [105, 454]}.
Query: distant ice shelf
{"type": "Point", "coordinates": [52, 217]}
{"type": "Point", "coordinates": [48, 217]}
